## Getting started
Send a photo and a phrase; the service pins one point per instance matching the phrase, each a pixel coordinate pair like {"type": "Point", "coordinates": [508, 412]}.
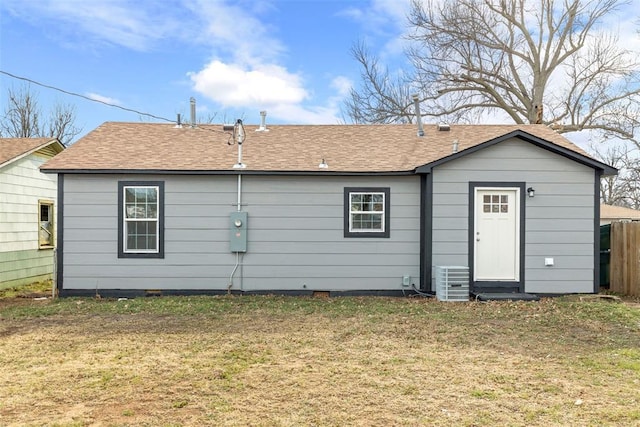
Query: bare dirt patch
{"type": "Point", "coordinates": [267, 361]}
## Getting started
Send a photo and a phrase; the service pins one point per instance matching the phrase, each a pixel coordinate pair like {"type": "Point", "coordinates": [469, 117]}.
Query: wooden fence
{"type": "Point", "coordinates": [625, 258]}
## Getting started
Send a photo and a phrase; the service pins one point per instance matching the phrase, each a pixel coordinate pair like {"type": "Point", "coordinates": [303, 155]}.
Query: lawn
{"type": "Point", "coordinates": [298, 361]}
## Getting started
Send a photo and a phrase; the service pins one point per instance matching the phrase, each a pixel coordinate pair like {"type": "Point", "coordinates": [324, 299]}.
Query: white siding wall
{"type": "Point", "coordinates": [295, 233]}
{"type": "Point", "coordinates": [21, 186]}
{"type": "Point", "coordinates": [559, 219]}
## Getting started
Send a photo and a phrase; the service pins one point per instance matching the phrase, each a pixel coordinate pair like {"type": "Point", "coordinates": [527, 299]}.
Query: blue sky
{"type": "Point", "coordinates": [289, 57]}
{"type": "Point", "coordinates": [236, 57]}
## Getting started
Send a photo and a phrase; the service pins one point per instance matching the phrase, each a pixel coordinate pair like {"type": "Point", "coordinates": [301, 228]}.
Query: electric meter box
{"type": "Point", "coordinates": [238, 231]}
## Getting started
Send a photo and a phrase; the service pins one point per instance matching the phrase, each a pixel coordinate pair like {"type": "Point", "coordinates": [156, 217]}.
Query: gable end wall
{"type": "Point", "coordinates": [559, 219]}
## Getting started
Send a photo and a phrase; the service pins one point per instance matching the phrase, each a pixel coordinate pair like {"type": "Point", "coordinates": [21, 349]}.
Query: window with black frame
{"type": "Point", "coordinates": [366, 212]}
{"type": "Point", "coordinates": [141, 222]}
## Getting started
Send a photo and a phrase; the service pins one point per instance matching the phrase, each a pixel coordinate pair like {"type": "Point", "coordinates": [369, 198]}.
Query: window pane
{"type": "Point", "coordinates": [367, 202]}
{"type": "Point", "coordinates": [44, 212]}
{"type": "Point", "coordinates": [495, 199]}
{"type": "Point", "coordinates": [152, 195]}
{"type": "Point", "coordinates": [486, 199]}
{"type": "Point", "coordinates": [131, 210]}
{"type": "Point", "coordinates": [366, 222]}
{"type": "Point", "coordinates": [486, 208]}
{"type": "Point", "coordinates": [141, 235]}
{"type": "Point", "coordinates": [130, 195]}
{"type": "Point", "coordinates": [504, 208]}
{"type": "Point", "coordinates": [504, 199]}
{"type": "Point", "coordinates": [141, 202]}
{"type": "Point", "coordinates": [494, 208]}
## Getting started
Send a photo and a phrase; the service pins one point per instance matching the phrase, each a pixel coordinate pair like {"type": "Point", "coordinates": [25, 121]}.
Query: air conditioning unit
{"type": "Point", "coordinates": [452, 283]}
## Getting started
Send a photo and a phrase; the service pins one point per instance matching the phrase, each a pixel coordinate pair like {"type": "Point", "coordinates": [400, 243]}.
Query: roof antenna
{"type": "Point", "coordinates": [416, 105]}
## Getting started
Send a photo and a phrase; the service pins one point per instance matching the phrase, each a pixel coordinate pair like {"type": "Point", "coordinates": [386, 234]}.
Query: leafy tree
{"type": "Point", "coordinates": [536, 61]}
{"type": "Point", "coordinates": [23, 118]}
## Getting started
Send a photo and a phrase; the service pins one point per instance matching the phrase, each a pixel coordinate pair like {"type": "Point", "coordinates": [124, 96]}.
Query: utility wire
{"type": "Point", "coordinates": [85, 97]}
{"type": "Point", "coordinates": [99, 101]}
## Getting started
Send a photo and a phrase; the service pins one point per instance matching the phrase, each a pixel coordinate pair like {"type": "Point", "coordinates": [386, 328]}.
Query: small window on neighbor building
{"type": "Point", "coordinates": [45, 224]}
{"type": "Point", "coordinates": [366, 212]}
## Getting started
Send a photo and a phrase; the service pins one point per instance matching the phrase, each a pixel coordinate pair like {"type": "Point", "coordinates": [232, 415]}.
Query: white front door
{"type": "Point", "coordinates": [497, 234]}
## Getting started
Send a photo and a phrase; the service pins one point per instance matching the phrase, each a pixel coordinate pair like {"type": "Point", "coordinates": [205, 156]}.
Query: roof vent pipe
{"type": "Point", "coordinates": [178, 122]}
{"type": "Point", "coordinates": [416, 106]}
{"type": "Point", "coordinates": [263, 122]}
{"type": "Point", "coordinates": [455, 146]}
{"type": "Point", "coordinates": [193, 111]}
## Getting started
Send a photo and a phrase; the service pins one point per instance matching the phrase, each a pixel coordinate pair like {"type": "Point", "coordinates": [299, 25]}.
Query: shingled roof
{"type": "Point", "coordinates": [143, 147]}
{"type": "Point", "coordinates": [12, 149]}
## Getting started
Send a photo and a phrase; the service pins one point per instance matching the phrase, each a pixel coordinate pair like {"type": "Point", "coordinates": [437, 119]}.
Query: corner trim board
{"type": "Point", "coordinates": [60, 236]}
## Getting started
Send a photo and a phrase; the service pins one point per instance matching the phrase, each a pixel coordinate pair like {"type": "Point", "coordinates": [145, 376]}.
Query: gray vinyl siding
{"type": "Point", "coordinates": [295, 235]}
{"type": "Point", "coordinates": [559, 219]}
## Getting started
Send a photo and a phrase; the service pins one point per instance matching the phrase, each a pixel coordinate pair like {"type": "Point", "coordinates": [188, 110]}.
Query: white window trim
{"type": "Point", "coordinates": [126, 220]}
{"type": "Point", "coordinates": [382, 213]}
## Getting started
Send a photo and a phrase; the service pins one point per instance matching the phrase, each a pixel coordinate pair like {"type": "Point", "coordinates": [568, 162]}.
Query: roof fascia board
{"type": "Point", "coordinates": [219, 172]}
{"type": "Point", "coordinates": [565, 152]}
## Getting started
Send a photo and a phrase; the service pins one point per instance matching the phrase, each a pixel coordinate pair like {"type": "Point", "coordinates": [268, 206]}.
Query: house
{"type": "Point", "coordinates": [27, 210]}
{"type": "Point", "coordinates": [346, 209]}
{"type": "Point", "coordinates": [610, 213]}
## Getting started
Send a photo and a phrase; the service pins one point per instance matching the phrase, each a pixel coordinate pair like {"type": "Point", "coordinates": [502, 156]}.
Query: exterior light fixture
{"type": "Point", "coordinates": [531, 192]}
{"type": "Point", "coordinates": [323, 165]}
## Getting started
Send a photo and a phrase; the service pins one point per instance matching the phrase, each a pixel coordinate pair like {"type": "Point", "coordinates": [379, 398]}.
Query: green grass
{"type": "Point", "coordinates": [28, 291]}
{"type": "Point", "coordinates": [275, 360]}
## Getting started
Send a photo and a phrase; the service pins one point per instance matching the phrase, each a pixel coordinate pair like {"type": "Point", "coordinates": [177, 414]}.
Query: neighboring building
{"type": "Point", "coordinates": [347, 209]}
{"type": "Point", "coordinates": [27, 210]}
{"type": "Point", "coordinates": [610, 213]}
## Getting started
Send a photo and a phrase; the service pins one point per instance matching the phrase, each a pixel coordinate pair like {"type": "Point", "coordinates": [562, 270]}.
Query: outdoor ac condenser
{"type": "Point", "coordinates": [452, 283]}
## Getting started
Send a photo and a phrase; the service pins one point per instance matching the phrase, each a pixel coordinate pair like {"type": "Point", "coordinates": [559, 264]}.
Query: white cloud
{"type": "Point", "coordinates": [119, 22]}
{"type": "Point", "coordinates": [234, 85]}
{"type": "Point", "coordinates": [235, 30]}
{"type": "Point", "coordinates": [296, 113]}
{"type": "Point", "coordinates": [379, 15]}
{"type": "Point", "coordinates": [103, 99]}
{"type": "Point", "coordinates": [342, 85]}
{"type": "Point", "coordinates": [246, 64]}
{"type": "Point", "coordinates": [246, 70]}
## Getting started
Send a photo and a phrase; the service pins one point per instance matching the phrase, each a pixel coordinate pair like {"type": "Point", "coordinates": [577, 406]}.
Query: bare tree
{"type": "Point", "coordinates": [622, 189]}
{"type": "Point", "coordinates": [23, 118]}
{"type": "Point", "coordinates": [383, 98]}
{"type": "Point", "coordinates": [537, 61]}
